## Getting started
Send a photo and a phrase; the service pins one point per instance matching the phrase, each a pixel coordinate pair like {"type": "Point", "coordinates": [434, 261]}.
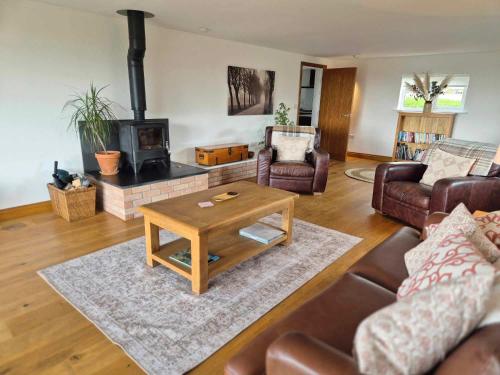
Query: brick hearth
{"type": "Point", "coordinates": [226, 173]}
{"type": "Point", "coordinates": [123, 201]}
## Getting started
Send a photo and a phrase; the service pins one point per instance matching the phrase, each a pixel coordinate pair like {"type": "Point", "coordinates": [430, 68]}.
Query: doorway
{"type": "Point", "coordinates": [325, 101]}
{"type": "Point", "coordinates": [337, 93]}
{"type": "Point", "coordinates": [311, 76]}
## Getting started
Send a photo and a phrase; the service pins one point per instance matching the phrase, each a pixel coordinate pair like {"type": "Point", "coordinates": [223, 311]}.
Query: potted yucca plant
{"type": "Point", "coordinates": [92, 118]}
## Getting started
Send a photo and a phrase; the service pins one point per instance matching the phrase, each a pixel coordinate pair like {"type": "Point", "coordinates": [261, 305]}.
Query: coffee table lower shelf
{"type": "Point", "coordinates": [231, 248]}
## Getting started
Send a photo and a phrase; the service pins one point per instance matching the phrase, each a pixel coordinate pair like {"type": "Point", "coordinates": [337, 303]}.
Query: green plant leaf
{"type": "Point", "coordinates": [92, 113]}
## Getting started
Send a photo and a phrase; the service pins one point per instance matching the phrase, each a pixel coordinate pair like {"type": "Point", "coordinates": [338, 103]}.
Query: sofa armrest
{"type": "Point", "coordinates": [476, 192]}
{"type": "Point", "coordinates": [320, 160]}
{"type": "Point", "coordinates": [264, 160]}
{"type": "Point", "coordinates": [434, 218]}
{"type": "Point", "coordinates": [387, 172]}
{"type": "Point", "coordinates": [296, 353]}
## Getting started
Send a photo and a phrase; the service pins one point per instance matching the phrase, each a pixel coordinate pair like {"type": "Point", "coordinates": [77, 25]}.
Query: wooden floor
{"type": "Point", "coordinates": [40, 333]}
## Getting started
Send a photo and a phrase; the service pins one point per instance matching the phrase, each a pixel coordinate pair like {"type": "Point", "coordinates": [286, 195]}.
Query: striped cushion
{"type": "Point", "coordinates": [295, 131]}
{"type": "Point", "coordinates": [483, 153]}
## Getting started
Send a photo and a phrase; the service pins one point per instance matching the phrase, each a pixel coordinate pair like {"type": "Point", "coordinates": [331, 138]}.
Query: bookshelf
{"type": "Point", "coordinates": [415, 132]}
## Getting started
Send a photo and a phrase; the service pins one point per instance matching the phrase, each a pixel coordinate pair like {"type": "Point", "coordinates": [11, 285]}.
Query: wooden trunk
{"type": "Point", "coordinates": [221, 154]}
{"type": "Point", "coordinates": [74, 204]}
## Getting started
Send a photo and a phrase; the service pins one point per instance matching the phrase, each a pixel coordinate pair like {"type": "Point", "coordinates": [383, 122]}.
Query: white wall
{"type": "Point", "coordinates": [377, 91]}
{"type": "Point", "coordinates": [48, 52]}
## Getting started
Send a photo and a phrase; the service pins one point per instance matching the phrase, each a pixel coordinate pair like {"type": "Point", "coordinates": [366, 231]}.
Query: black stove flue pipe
{"type": "Point", "coordinates": [135, 57]}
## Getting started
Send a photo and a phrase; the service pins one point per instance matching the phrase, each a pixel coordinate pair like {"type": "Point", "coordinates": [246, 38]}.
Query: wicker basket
{"type": "Point", "coordinates": [74, 204]}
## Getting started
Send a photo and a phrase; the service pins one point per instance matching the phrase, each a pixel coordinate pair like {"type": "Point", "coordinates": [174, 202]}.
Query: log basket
{"type": "Point", "coordinates": [74, 204]}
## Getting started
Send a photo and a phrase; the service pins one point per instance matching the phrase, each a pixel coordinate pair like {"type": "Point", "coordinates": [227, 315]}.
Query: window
{"type": "Point", "coordinates": [452, 100]}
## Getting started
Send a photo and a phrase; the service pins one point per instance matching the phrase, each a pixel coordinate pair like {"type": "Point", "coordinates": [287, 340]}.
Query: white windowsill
{"type": "Point", "coordinates": [433, 111]}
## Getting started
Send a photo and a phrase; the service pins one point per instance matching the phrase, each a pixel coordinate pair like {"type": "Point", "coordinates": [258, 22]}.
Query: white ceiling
{"type": "Point", "coordinates": [327, 27]}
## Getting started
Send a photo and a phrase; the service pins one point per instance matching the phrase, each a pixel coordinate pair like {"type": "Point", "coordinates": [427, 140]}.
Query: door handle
{"type": "Point", "coordinates": [347, 115]}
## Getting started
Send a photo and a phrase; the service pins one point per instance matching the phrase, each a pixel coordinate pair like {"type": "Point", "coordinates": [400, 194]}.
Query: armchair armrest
{"type": "Point", "coordinates": [296, 353]}
{"type": "Point", "coordinates": [476, 192]}
{"type": "Point", "coordinates": [320, 160]}
{"type": "Point", "coordinates": [264, 160]}
{"type": "Point", "coordinates": [434, 218]}
{"type": "Point", "coordinates": [387, 172]}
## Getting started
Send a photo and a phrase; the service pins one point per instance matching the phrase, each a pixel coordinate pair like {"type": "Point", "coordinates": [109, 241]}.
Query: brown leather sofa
{"type": "Point", "coordinates": [318, 337]}
{"type": "Point", "coordinates": [309, 176]}
{"type": "Point", "coordinates": [398, 193]}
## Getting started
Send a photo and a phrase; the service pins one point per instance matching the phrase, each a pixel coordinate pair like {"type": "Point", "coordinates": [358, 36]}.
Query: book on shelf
{"type": "Point", "coordinates": [418, 154]}
{"type": "Point", "coordinates": [261, 232]}
{"type": "Point", "coordinates": [415, 137]}
{"type": "Point", "coordinates": [403, 152]}
{"type": "Point", "coordinates": [184, 257]}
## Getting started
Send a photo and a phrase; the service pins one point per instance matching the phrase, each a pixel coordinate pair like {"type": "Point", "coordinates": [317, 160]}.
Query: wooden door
{"type": "Point", "coordinates": [337, 92]}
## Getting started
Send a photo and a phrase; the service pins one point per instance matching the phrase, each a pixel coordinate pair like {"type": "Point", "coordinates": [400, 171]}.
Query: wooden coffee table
{"type": "Point", "coordinates": [214, 229]}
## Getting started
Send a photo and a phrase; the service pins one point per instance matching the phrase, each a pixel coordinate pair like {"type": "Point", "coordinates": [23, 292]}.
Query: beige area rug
{"type": "Point", "coordinates": [362, 174]}
{"type": "Point", "coordinates": [151, 313]}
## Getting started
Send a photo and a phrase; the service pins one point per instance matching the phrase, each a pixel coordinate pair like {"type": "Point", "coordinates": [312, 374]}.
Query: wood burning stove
{"type": "Point", "coordinates": [145, 141]}
{"type": "Point", "coordinates": [141, 141]}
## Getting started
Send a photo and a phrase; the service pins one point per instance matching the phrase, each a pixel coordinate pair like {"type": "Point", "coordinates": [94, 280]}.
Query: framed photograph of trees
{"type": "Point", "coordinates": [251, 91]}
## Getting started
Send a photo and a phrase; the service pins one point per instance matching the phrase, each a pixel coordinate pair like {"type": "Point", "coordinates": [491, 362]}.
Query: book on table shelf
{"type": "Point", "coordinates": [262, 233]}
{"type": "Point", "coordinates": [184, 257]}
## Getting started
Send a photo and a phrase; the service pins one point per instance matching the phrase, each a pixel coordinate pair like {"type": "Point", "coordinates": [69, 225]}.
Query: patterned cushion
{"type": "Point", "coordinates": [290, 148]}
{"type": "Point", "coordinates": [490, 225]}
{"type": "Point", "coordinates": [455, 256]}
{"type": "Point", "coordinates": [459, 219]}
{"type": "Point", "coordinates": [412, 335]}
{"type": "Point", "coordinates": [444, 165]}
{"type": "Point", "coordinates": [486, 237]}
{"type": "Point", "coordinates": [493, 306]}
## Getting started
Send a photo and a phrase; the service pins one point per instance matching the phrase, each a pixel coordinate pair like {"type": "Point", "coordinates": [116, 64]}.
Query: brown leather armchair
{"type": "Point", "coordinates": [398, 193]}
{"type": "Point", "coordinates": [309, 176]}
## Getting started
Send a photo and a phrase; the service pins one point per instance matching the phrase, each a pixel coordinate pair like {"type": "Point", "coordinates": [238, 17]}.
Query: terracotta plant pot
{"type": "Point", "coordinates": [108, 162]}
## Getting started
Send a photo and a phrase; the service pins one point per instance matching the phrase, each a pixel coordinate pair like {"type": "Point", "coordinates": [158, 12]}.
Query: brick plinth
{"type": "Point", "coordinates": [227, 173]}
{"type": "Point", "coordinates": [123, 202]}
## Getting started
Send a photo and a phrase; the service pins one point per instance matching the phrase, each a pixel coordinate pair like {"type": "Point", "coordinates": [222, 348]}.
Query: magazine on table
{"type": "Point", "coordinates": [184, 257]}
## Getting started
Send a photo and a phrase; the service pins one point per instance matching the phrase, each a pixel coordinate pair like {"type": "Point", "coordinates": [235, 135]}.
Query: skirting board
{"type": "Point", "coordinates": [369, 156]}
{"type": "Point", "coordinates": [28, 209]}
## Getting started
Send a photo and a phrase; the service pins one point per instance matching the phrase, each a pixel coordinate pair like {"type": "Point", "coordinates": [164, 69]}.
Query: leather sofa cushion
{"type": "Point", "coordinates": [292, 169]}
{"type": "Point", "coordinates": [411, 215]}
{"type": "Point", "coordinates": [411, 193]}
{"type": "Point", "coordinates": [385, 264]}
{"type": "Point", "coordinates": [296, 184]}
{"type": "Point", "coordinates": [478, 354]}
{"type": "Point", "coordinates": [331, 317]}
